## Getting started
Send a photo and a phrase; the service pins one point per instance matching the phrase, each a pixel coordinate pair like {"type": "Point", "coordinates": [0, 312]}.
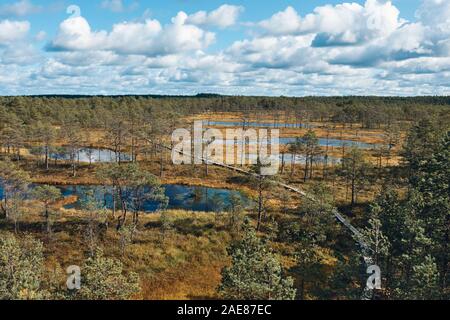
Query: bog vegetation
{"type": "Point", "coordinates": [382, 162]}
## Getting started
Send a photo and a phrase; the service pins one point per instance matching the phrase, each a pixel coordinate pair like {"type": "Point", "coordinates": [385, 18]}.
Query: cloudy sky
{"type": "Point", "coordinates": [248, 47]}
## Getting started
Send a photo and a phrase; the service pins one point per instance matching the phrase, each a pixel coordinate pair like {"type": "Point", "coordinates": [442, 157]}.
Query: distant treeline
{"type": "Point", "coordinates": [88, 111]}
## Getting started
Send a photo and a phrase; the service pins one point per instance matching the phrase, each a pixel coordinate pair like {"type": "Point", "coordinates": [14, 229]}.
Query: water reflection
{"type": "Point", "coordinates": [191, 198]}
{"type": "Point", "coordinates": [90, 155]}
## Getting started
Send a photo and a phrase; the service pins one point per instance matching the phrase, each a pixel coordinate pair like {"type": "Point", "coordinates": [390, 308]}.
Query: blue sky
{"type": "Point", "coordinates": [165, 10]}
{"type": "Point", "coordinates": [295, 48]}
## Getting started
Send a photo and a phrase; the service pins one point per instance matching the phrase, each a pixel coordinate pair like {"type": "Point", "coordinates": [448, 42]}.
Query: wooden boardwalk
{"type": "Point", "coordinates": [366, 250]}
{"type": "Point", "coordinates": [336, 213]}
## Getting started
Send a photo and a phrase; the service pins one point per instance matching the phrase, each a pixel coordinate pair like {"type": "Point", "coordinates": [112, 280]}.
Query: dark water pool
{"type": "Point", "coordinates": [189, 198]}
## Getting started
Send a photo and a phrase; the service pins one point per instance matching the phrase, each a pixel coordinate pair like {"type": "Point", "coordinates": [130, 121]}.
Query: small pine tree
{"type": "Point", "coordinates": [166, 224]}
{"type": "Point", "coordinates": [47, 195]}
{"type": "Point", "coordinates": [255, 272]}
{"type": "Point", "coordinates": [217, 204]}
{"type": "Point", "coordinates": [126, 236]}
{"type": "Point", "coordinates": [236, 215]}
{"type": "Point", "coordinates": [374, 237]}
{"type": "Point", "coordinates": [425, 280]}
{"type": "Point", "coordinates": [103, 279]}
{"type": "Point", "coordinates": [21, 268]}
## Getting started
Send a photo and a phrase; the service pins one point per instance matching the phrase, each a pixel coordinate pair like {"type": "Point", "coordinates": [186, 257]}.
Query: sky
{"type": "Point", "coordinates": [251, 47]}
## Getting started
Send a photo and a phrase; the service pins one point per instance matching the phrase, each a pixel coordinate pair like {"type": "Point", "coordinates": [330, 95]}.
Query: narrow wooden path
{"type": "Point", "coordinates": [366, 250]}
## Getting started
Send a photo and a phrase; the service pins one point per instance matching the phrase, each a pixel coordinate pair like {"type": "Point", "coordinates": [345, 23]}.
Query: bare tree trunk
{"type": "Point", "coordinates": [353, 192]}
{"type": "Point", "coordinates": [305, 176]}
{"type": "Point", "coordinates": [114, 203]}
{"type": "Point", "coordinates": [294, 156]}
{"type": "Point", "coordinates": [47, 220]}
{"type": "Point", "coordinates": [73, 169]}
{"type": "Point", "coordinates": [46, 157]}
{"type": "Point", "coordinates": [260, 203]}
{"type": "Point", "coordinates": [161, 164]}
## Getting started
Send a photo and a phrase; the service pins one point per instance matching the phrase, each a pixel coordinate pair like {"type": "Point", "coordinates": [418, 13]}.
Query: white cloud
{"type": "Point", "coordinates": [435, 12]}
{"type": "Point", "coordinates": [273, 52]}
{"type": "Point", "coordinates": [334, 50]}
{"type": "Point", "coordinates": [14, 47]}
{"type": "Point", "coordinates": [348, 34]}
{"type": "Point", "coordinates": [83, 58]}
{"type": "Point", "coordinates": [349, 48]}
{"type": "Point", "coordinates": [20, 53]}
{"type": "Point", "coordinates": [223, 17]}
{"type": "Point", "coordinates": [283, 22]}
{"type": "Point", "coordinates": [420, 65]}
{"type": "Point", "coordinates": [11, 31]}
{"type": "Point", "coordinates": [343, 24]}
{"type": "Point", "coordinates": [145, 38]}
{"type": "Point", "coordinates": [405, 43]}
{"type": "Point", "coordinates": [76, 34]}
{"type": "Point", "coordinates": [20, 8]}
{"type": "Point", "coordinates": [435, 17]}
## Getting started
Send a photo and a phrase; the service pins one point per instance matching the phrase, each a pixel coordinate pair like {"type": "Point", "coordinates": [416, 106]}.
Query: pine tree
{"type": "Point", "coordinates": [236, 214]}
{"type": "Point", "coordinates": [15, 183]}
{"type": "Point", "coordinates": [355, 169]}
{"type": "Point", "coordinates": [166, 224]}
{"type": "Point", "coordinates": [255, 273]}
{"type": "Point", "coordinates": [103, 278]}
{"type": "Point", "coordinates": [433, 183]}
{"type": "Point", "coordinates": [21, 268]}
{"type": "Point", "coordinates": [425, 281]}
{"type": "Point", "coordinates": [47, 195]}
{"type": "Point", "coordinates": [374, 237]}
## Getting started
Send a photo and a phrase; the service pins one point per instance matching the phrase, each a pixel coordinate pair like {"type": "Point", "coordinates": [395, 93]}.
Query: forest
{"type": "Point", "coordinates": [88, 181]}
